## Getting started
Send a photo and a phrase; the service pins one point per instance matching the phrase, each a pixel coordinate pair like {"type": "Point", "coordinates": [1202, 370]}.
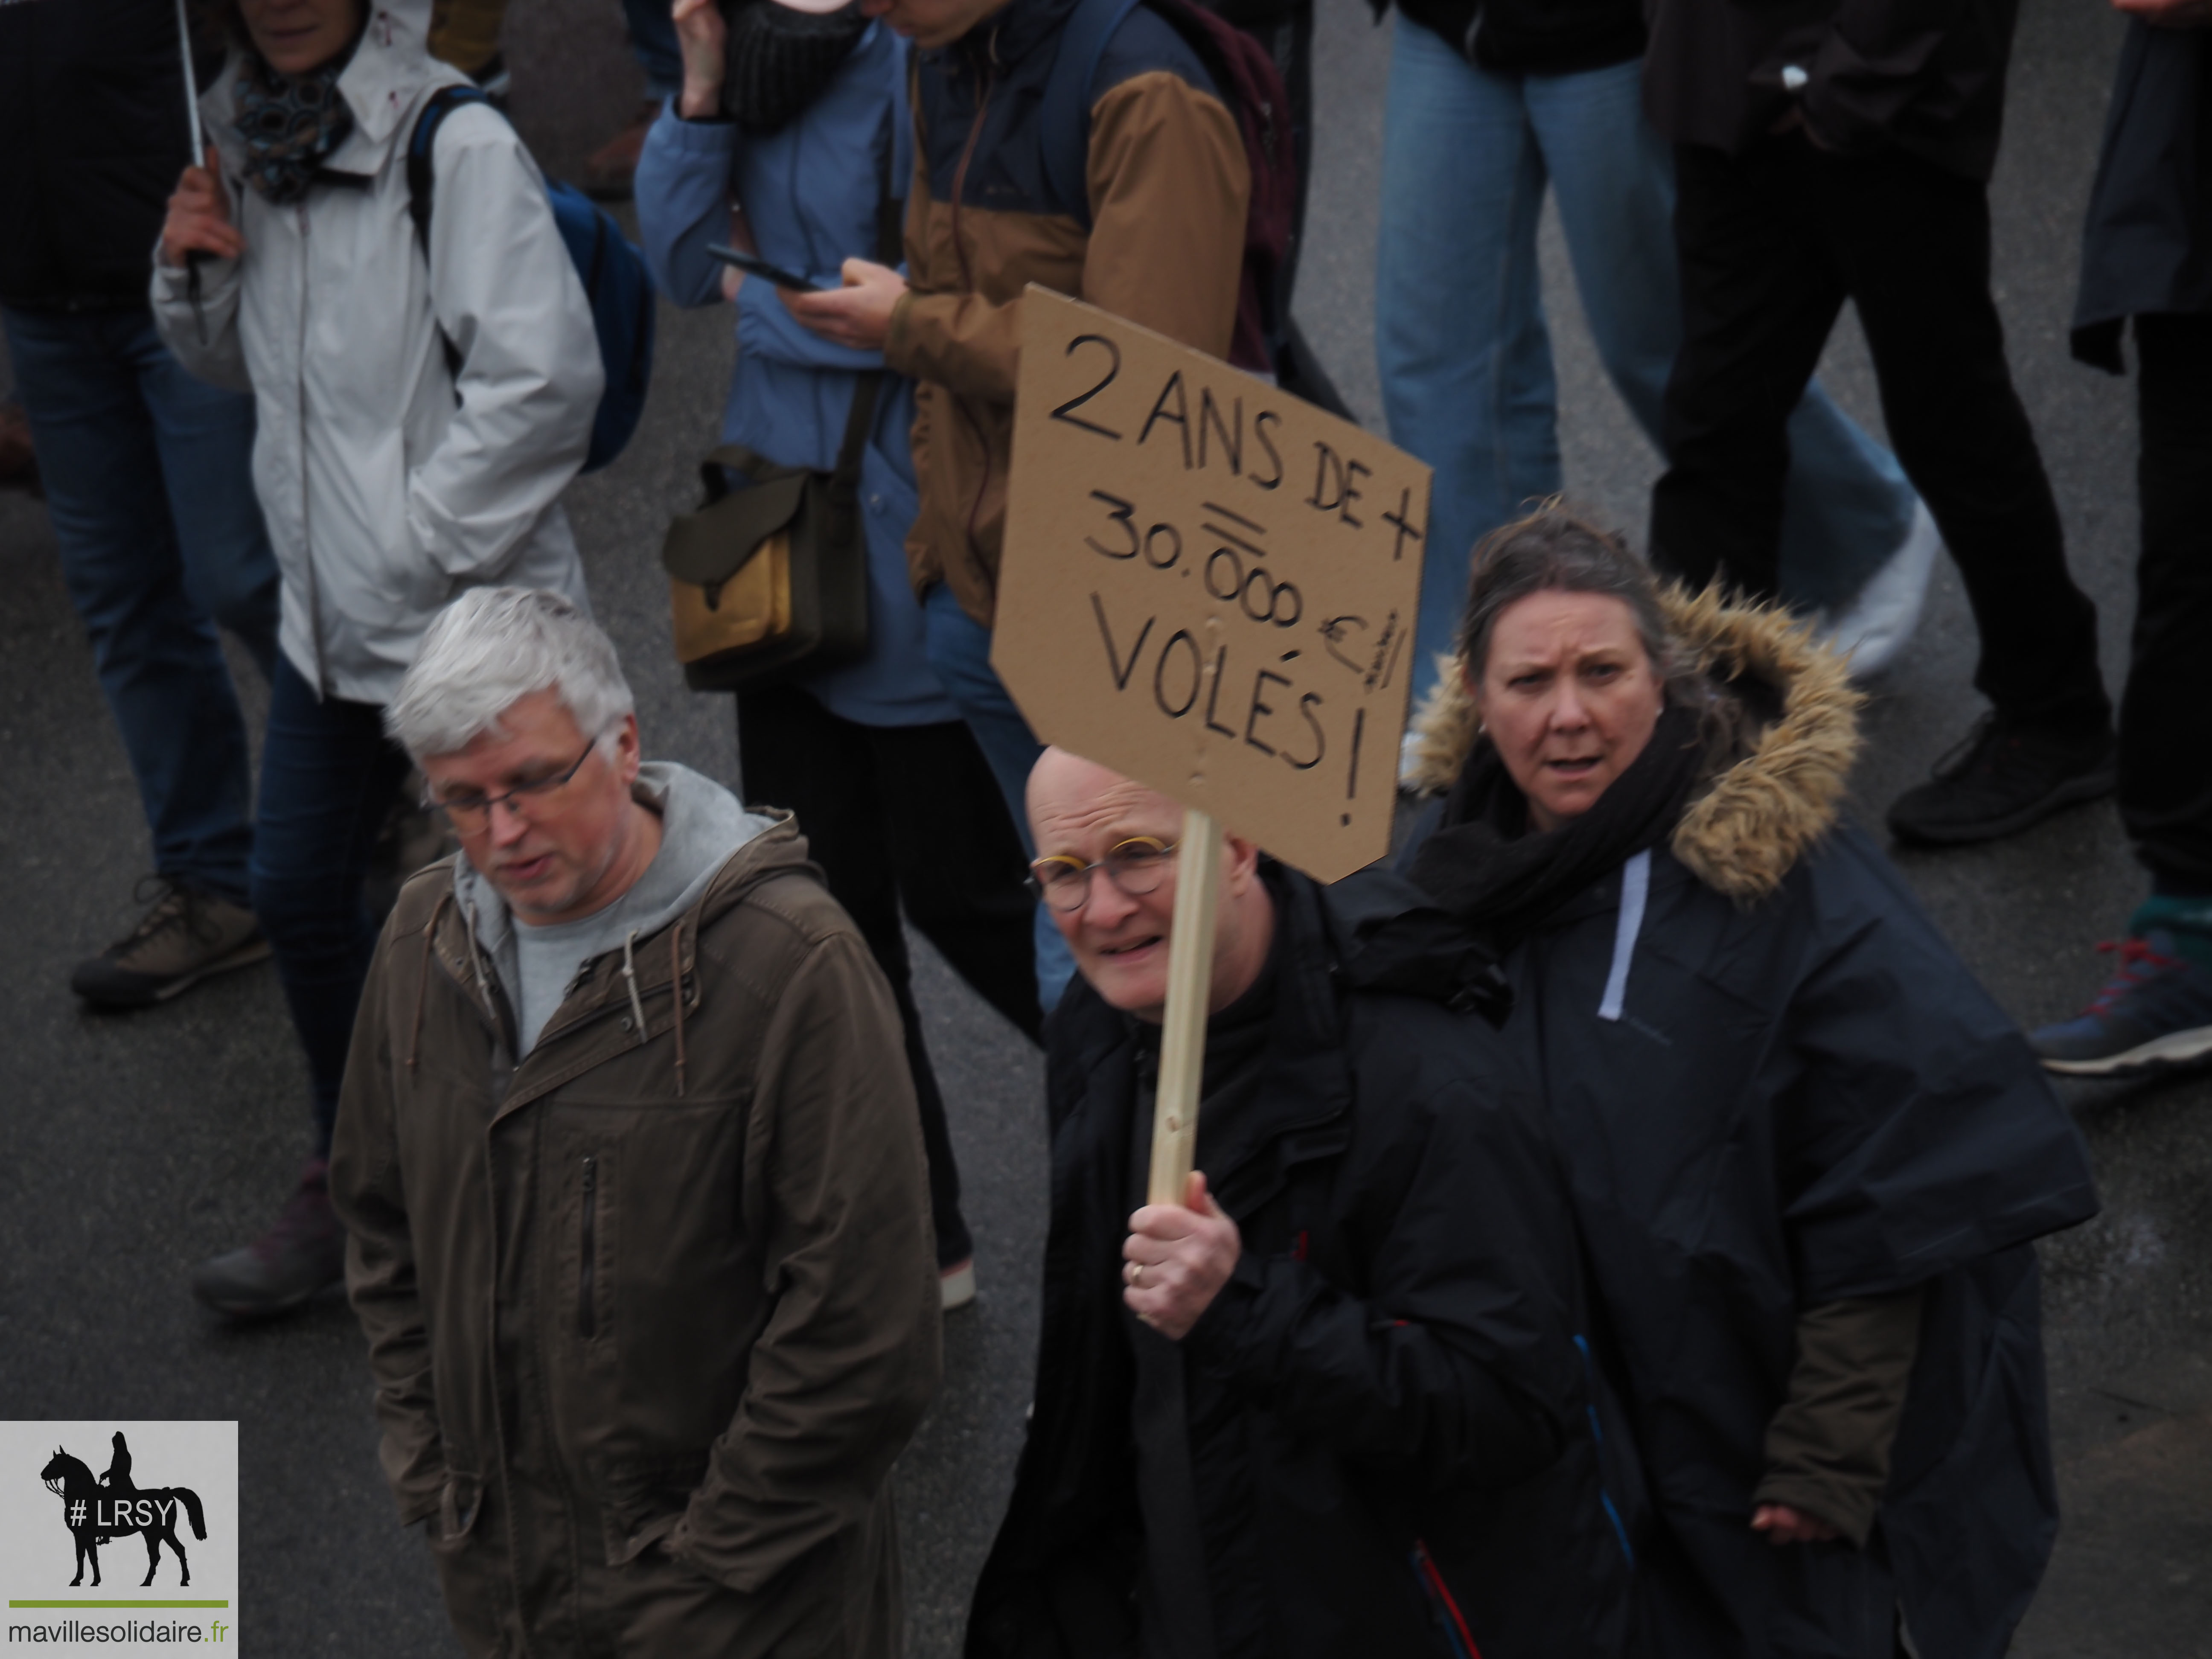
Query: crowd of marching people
{"type": "Point", "coordinates": [1614, 1218]}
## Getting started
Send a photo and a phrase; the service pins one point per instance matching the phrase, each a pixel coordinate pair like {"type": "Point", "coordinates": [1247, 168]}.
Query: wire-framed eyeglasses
{"type": "Point", "coordinates": [470, 812]}
{"type": "Point", "coordinates": [1137, 867]}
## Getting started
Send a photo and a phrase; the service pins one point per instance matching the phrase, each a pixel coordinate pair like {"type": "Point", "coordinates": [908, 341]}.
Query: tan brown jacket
{"type": "Point", "coordinates": [650, 1315]}
{"type": "Point", "coordinates": [1167, 185]}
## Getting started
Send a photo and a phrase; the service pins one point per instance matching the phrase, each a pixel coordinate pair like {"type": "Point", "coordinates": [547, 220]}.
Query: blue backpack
{"type": "Point", "coordinates": [613, 270]}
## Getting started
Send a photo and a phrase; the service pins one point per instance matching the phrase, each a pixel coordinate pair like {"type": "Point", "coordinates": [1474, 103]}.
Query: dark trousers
{"type": "Point", "coordinates": [905, 816]}
{"type": "Point", "coordinates": [2166, 713]}
{"type": "Point", "coordinates": [1772, 242]}
{"type": "Point", "coordinates": [328, 775]}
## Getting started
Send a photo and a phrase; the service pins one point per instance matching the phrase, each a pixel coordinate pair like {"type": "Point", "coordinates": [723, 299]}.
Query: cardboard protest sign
{"type": "Point", "coordinates": [1209, 585]}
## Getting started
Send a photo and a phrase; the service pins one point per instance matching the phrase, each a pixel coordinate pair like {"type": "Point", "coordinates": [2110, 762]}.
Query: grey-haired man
{"type": "Point", "coordinates": [629, 1159]}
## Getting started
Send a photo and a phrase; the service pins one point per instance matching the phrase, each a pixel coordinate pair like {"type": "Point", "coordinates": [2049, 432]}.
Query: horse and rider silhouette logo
{"type": "Point", "coordinates": [98, 1509]}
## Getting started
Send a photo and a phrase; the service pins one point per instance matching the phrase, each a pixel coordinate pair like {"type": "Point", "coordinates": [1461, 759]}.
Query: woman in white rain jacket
{"type": "Point", "coordinates": [390, 480]}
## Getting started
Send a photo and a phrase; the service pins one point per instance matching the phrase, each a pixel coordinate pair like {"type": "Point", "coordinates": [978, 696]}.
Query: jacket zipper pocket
{"type": "Point", "coordinates": [588, 1323]}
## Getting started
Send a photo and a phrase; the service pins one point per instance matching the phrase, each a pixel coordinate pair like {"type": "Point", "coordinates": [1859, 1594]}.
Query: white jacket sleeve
{"type": "Point", "coordinates": [509, 298]}
{"type": "Point", "coordinates": [203, 338]}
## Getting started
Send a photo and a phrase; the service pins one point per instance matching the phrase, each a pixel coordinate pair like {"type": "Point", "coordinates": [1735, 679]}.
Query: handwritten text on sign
{"type": "Point", "coordinates": [1209, 585]}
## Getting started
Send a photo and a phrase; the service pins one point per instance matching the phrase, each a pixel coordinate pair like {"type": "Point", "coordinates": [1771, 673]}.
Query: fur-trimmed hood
{"type": "Point", "coordinates": [1754, 818]}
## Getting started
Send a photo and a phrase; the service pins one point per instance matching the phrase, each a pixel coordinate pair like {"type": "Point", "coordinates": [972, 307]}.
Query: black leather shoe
{"type": "Point", "coordinates": [2003, 777]}
{"type": "Point", "coordinates": [303, 1252]}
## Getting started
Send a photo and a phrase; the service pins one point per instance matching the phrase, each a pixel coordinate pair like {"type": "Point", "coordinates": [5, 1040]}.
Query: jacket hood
{"type": "Point", "coordinates": [1759, 812]}
{"type": "Point", "coordinates": [390, 70]}
{"type": "Point", "coordinates": [703, 831]}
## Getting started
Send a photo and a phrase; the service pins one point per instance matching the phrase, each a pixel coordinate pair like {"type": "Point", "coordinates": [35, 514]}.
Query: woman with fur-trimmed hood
{"type": "Point", "coordinates": [1806, 1151]}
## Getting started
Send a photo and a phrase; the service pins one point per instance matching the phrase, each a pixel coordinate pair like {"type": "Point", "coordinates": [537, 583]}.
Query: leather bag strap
{"type": "Point", "coordinates": [867, 390]}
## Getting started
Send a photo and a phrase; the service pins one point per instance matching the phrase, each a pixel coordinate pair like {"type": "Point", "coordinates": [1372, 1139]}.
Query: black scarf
{"type": "Point", "coordinates": [290, 124]}
{"type": "Point", "coordinates": [1487, 869]}
{"type": "Point", "coordinates": [779, 60]}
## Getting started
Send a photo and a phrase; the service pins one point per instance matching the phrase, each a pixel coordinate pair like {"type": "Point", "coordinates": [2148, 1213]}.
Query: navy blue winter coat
{"type": "Point", "coordinates": [1777, 1086]}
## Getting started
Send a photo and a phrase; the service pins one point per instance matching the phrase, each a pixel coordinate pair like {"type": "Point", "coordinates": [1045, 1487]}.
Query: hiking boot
{"type": "Point", "coordinates": [304, 1252]}
{"type": "Point", "coordinates": [2003, 777]}
{"type": "Point", "coordinates": [610, 169]}
{"type": "Point", "coordinates": [185, 937]}
{"type": "Point", "coordinates": [2154, 1015]}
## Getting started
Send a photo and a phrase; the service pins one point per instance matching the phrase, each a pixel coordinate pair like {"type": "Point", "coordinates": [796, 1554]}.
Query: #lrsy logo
{"type": "Point", "coordinates": [108, 1506]}
{"type": "Point", "coordinates": [78, 1501]}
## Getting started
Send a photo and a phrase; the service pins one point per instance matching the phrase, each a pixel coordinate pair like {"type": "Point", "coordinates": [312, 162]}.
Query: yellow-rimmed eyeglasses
{"type": "Point", "coordinates": [1137, 867]}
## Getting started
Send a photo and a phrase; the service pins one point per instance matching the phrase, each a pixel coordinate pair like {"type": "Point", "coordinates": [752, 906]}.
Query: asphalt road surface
{"type": "Point", "coordinates": [131, 1146]}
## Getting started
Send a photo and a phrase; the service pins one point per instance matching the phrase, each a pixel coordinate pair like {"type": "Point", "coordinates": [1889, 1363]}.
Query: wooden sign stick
{"type": "Point", "coordinates": [1190, 983]}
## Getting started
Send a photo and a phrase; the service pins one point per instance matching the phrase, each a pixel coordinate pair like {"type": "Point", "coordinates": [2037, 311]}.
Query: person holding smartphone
{"type": "Point", "coordinates": [791, 138]}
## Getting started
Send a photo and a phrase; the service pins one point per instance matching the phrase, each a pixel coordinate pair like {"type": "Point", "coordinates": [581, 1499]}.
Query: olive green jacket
{"type": "Point", "coordinates": [651, 1314]}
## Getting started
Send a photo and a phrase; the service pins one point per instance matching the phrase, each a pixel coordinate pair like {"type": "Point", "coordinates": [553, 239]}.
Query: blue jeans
{"type": "Point", "coordinates": [1461, 340]}
{"type": "Point", "coordinates": [960, 652]}
{"type": "Point", "coordinates": [652, 37]}
{"type": "Point", "coordinates": [150, 482]}
{"type": "Point", "coordinates": [328, 776]}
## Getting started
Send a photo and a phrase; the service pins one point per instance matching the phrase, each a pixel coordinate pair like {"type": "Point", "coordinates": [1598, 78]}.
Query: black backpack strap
{"type": "Point", "coordinates": [421, 181]}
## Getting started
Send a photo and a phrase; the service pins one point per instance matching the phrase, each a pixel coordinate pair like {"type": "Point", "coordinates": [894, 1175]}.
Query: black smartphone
{"type": "Point", "coordinates": [753, 265]}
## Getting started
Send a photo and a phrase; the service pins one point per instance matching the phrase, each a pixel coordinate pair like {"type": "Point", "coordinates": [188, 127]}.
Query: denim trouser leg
{"type": "Point", "coordinates": [206, 439]}
{"type": "Point", "coordinates": [960, 652]}
{"type": "Point", "coordinates": [328, 775]}
{"type": "Point", "coordinates": [1460, 339]}
{"type": "Point", "coordinates": [652, 37]}
{"type": "Point", "coordinates": [1466, 374]}
{"type": "Point", "coordinates": [149, 484]}
{"type": "Point", "coordinates": [1847, 504]}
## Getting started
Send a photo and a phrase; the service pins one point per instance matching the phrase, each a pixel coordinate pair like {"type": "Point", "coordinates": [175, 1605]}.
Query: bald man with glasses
{"type": "Point", "coordinates": [1346, 1364]}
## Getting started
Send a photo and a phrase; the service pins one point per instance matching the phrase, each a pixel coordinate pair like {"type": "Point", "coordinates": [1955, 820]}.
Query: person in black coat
{"type": "Point", "coordinates": [146, 472]}
{"type": "Point", "coordinates": [1834, 149]}
{"type": "Point", "coordinates": [1336, 1402]}
{"type": "Point", "coordinates": [2147, 256]}
{"type": "Point", "coordinates": [1807, 1153]}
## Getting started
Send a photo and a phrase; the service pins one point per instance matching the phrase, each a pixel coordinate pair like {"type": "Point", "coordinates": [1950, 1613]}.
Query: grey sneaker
{"type": "Point", "coordinates": [304, 1252]}
{"type": "Point", "coordinates": [185, 937]}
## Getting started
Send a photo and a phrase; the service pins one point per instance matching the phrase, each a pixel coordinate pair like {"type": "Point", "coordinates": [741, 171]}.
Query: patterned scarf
{"type": "Point", "coordinates": [289, 123]}
{"type": "Point", "coordinates": [779, 60]}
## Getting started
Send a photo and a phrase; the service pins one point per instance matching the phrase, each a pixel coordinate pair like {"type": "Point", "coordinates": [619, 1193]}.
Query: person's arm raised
{"type": "Point", "coordinates": [684, 174]}
{"type": "Point", "coordinates": [195, 289]}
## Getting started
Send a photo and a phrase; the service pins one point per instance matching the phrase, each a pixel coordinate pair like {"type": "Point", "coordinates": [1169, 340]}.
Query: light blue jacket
{"type": "Point", "coordinates": [810, 193]}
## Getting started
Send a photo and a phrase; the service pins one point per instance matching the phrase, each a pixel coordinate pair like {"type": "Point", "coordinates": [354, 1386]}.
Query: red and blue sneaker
{"type": "Point", "coordinates": [2154, 1016]}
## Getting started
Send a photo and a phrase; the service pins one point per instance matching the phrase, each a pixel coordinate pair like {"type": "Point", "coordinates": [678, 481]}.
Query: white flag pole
{"type": "Point", "coordinates": [199, 155]}
{"type": "Point", "coordinates": [191, 83]}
